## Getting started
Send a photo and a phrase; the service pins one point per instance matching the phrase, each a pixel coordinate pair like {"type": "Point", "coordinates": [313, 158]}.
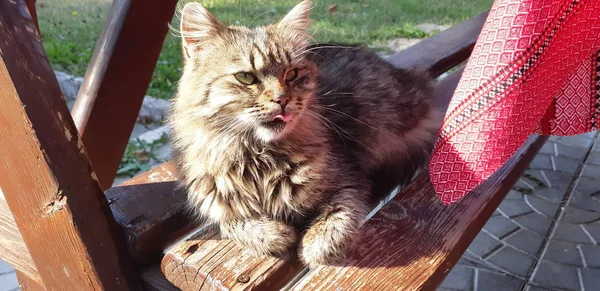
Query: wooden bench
{"type": "Point", "coordinates": [62, 231]}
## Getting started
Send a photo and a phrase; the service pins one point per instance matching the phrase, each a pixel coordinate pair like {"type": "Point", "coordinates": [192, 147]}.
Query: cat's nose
{"type": "Point", "coordinates": [281, 100]}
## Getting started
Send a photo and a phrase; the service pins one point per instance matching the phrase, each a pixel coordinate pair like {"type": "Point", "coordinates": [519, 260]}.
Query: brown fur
{"type": "Point", "coordinates": [357, 124]}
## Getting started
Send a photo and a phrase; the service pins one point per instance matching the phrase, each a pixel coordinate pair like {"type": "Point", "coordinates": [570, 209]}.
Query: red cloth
{"type": "Point", "coordinates": [535, 69]}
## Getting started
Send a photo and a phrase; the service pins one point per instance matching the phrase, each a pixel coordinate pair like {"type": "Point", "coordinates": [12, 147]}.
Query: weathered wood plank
{"type": "Point", "coordinates": [45, 175]}
{"type": "Point", "coordinates": [115, 83]}
{"type": "Point", "coordinates": [28, 284]}
{"type": "Point", "coordinates": [151, 210]}
{"type": "Point", "coordinates": [12, 247]}
{"type": "Point", "coordinates": [413, 242]}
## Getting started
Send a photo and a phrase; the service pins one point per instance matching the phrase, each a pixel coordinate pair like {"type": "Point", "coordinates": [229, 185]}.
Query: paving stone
{"type": "Point", "coordinates": [563, 252]}
{"type": "Point", "coordinates": [594, 158]}
{"type": "Point", "coordinates": [526, 241]}
{"type": "Point", "coordinates": [548, 148]}
{"type": "Point", "coordinates": [535, 222]}
{"type": "Point", "coordinates": [594, 230]}
{"type": "Point", "coordinates": [153, 110]}
{"type": "Point", "coordinates": [591, 279]}
{"type": "Point", "coordinates": [558, 180]}
{"type": "Point", "coordinates": [5, 267]}
{"type": "Point", "coordinates": [536, 288]}
{"type": "Point", "coordinates": [551, 194]}
{"type": "Point", "coordinates": [550, 274]}
{"type": "Point", "coordinates": [542, 162]}
{"type": "Point", "coordinates": [472, 262]}
{"type": "Point", "coordinates": [584, 200]}
{"type": "Point", "coordinates": [512, 261]}
{"type": "Point", "coordinates": [564, 164]}
{"type": "Point", "coordinates": [138, 130]}
{"type": "Point", "coordinates": [591, 171]}
{"type": "Point", "coordinates": [579, 216]}
{"type": "Point", "coordinates": [591, 254]}
{"type": "Point", "coordinates": [514, 195]}
{"type": "Point", "coordinates": [513, 208]}
{"type": "Point", "coordinates": [581, 140]}
{"type": "Point", "coordinates": [542, 206]}
{"type": "Point", "coordinates": [500, 226]}
{"type": "Point", "coordinates": [587, 185]}
{"type": "Point", "coordinates": [9, 282]}
{"type": "Point", "coordinates": [576, 153]}
{"type": "Point", "coordinates": [570, 233]}
{"type": "Point", "coordinates": [483, 244]}
{"type": "Point", "coordinates": [492, 281]}
{"type": "Point", "coordinates": [460, 278]}
{"type": "Point", "coordinates": [535, 178]}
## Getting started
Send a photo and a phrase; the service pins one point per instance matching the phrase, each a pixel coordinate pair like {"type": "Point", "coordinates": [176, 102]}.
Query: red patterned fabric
{"type": "Point", "coordinates": [534, 69]}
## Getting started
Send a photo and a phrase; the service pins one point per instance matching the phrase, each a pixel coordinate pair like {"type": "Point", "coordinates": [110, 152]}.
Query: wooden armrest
{"type": "Point", "coordinates": [413, 242]}
{"type": "Point", "coordinates": [151, 210]}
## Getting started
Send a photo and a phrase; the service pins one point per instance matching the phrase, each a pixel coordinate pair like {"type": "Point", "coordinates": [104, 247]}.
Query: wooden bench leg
{"type": "Point", "coordinates": [117, 78]}
{"type": "Point", "coordinates": [45, 175]}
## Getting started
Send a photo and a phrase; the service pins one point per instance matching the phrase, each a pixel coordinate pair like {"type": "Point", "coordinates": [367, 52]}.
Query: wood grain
{"type": "Point", "coordinates": [117, 78]}
{"type": "Point", "coordinates": [28, 284]}
{"type": "Point", "coordinates": [45, 175]}
{"type": "Point", "coordinates": [414, 241]}
{"type": "Point", "coordinates": [151, 211]}
{"type": "Point", "coordinates": [206, 261]}
{"type": "Point", "coordinates": [12, 247]}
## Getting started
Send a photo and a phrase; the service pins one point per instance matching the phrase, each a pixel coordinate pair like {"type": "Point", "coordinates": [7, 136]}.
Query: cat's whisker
{"type": "Point", "coordinates": [340, 113]}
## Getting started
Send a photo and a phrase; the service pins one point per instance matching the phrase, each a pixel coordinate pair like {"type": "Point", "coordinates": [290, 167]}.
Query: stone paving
{"type": "Point", "coordinates": [545, 235]}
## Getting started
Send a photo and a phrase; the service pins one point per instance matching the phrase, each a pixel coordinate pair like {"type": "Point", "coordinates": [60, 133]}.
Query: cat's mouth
{"type": "Point", "coordinates": [279, 121]}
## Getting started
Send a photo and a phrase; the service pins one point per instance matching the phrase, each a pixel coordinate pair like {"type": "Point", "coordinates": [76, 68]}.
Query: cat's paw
{"type": "Point", "coordinates": [264, 236]}
{"type": "Point", "coordinates": [327, 241]}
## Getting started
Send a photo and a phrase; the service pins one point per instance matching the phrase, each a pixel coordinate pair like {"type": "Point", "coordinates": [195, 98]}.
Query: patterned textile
{"type": "Point", "coordinates": [534, 69]}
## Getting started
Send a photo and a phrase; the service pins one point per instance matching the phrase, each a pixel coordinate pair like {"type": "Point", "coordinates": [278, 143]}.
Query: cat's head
{"type": "Point", "coordinates": [247, 80]}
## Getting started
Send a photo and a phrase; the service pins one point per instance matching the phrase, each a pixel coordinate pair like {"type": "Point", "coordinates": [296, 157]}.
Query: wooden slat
{"type": "Point", "coordinates": [28, 284]}
{"type": "Point", "coordinates": [206, 261]}
{"type": "Point", "coordinates": [45, 175]}
{"type": "Point", "coordinates": [151, 210]}
{"type": "Point", "coordinates": [115, 83]}
{"type": "Point", "coordinates": [440, 52]}
{"type": "Point", "coordinates": [413, 242]}
{"type": "Point", "coordinates": [12, 247]}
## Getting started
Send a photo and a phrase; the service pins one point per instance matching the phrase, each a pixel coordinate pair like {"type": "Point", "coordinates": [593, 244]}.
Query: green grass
{"type": "Point", "coordinates": [70, 28]}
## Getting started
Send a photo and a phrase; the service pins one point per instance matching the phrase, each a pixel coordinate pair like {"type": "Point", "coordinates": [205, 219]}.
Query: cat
{"type": "Point", "coordinates": [283, 143]}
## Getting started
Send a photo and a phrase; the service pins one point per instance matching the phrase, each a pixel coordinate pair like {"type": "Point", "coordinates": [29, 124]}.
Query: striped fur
{"type": "Point", "coordinates": [353, 122]}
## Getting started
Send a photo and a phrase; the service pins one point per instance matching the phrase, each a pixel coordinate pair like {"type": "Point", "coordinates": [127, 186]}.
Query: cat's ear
{"type": "Point", "coordinates": [197, 25]}
{"type": "Point", "coordinates": [298, 18]}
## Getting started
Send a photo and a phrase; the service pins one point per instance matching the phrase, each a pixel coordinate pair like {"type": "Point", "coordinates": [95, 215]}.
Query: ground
{"type": "Point", "coordinates": [70, 28]}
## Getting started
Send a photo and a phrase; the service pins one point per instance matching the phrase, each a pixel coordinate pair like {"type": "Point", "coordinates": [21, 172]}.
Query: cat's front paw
{"type": "Point", "coordinates": [328, 241]}
{"type": "Point", "coordinates": [262, 236]}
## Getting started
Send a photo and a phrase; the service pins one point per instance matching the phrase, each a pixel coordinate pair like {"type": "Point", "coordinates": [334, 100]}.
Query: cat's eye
{"type": "Point", "coordinates": [291, 75]}
{"type": "Point", "coordinates": [246, 78]}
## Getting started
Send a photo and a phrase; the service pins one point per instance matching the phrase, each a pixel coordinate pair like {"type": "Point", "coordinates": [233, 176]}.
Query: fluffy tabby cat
{"type": "Point", "coordinates": [282, 143]}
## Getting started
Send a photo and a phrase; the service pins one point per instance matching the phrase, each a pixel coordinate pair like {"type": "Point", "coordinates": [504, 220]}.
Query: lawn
{"type": "Point", "coordinates": [70, 28]}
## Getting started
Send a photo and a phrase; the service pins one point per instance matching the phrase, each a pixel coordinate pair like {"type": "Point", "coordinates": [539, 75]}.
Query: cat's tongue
{"type": "Point", "coordinates": [285, 117]}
